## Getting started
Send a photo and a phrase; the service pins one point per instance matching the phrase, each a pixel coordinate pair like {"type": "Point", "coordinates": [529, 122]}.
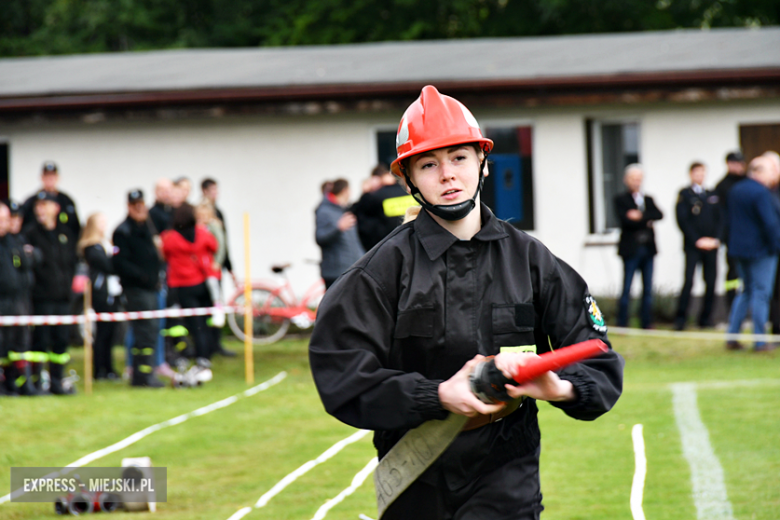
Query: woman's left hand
{"type": "Point", "coordinates": [547, 387]}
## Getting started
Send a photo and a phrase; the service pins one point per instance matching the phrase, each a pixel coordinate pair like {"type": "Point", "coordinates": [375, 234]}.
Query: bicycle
{"type": "Point", "coordinates": [275, 307]}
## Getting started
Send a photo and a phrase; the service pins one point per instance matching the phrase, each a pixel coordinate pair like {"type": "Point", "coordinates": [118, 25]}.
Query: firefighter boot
{"type": "Point", "coordinates": [24, 384]}
{"type": "Point", "coordinates": [142, 370]}
{"type": "Point", "coordinates": [59, 384]}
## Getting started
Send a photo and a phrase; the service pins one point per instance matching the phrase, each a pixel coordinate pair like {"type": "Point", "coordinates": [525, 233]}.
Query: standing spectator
{"type": "Point", "coordinates": [754, 241]}
{"type": "Point", "coordinates": [698, 215]}
{"type": "Point", "coordinates": [210, 191]}
{"type": "Point", "coordinates": [336, 233]}
{"type": "Point", "coordinates": [205, 216]}
{"type": "Point", "coordinates": [15, 368]}
{"type": "Point", "coordinates": [380, 211]}
{"type": "Point", "coordinates": [184, 247]}
{"type": "Point", "coordinates": [98, 252]}
{"type": "Point", "coordinates": [636, 212]}
{"type": "Point", "coordinates": [735, 172]}
{"type": "Point", "coordinates": [774, 307]}
{"type": "Point", "coordinates": [162, 211]}
{"type": "Point", "coordinates": [137, 262]}
{"type": "Point", "coordinates": [17, 218]}
{"type": "Point", "coordinates": [68, 215]}
{"type": "Point", "coordinates": [184, 186]}
{"type": "Point", "coordinates": [55, 265]}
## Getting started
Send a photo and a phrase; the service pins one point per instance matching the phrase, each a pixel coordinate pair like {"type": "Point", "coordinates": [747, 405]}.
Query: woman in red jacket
{"type": "Point", "coordinates": [184, 247]}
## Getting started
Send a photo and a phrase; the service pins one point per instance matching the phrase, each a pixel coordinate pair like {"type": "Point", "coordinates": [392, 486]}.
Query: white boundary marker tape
{"type": "Point", "coordinates": [113, 316]}
{"type": "Point", "coordinates": [709, 487]}
{"type": "Point", "coordinates": [137, 436]}
{"type": "Point", "coordinates": [291, 477]}
{"type": "Point", "coordinates": [361, 477]}
{"type": "Point", "coordinates": [640, 472]}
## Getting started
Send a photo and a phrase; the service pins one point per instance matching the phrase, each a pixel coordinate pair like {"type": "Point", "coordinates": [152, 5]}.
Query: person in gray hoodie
{"type": "Point", "coordinates": [336, 233]}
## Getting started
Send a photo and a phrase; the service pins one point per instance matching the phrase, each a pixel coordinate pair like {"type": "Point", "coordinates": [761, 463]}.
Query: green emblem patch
{"type": "Point", "coordinates": [595, 315]}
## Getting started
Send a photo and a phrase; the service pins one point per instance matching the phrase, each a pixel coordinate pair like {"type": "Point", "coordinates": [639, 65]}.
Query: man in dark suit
{"type": "Point", "coordinates": [636, 212]}
{"type": "Point", "coordinates": [699, 218]}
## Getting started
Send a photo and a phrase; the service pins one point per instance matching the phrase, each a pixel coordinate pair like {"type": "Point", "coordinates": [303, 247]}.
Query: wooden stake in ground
{"type": "Point", "coordinates": [87, 338]}
{"type": "Point", "coordinates": [248, 359]}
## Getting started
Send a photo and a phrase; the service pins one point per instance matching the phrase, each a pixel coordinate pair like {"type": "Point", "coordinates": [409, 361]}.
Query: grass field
{"type": "Point", "coordinates": [227, 459]}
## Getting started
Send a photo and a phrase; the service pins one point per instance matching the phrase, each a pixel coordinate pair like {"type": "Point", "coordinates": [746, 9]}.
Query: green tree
{"type": "Point", "coordinates": [35, 27]}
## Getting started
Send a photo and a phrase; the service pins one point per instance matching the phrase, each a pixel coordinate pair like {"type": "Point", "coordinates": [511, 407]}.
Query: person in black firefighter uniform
{"type": "Point", "coordinates": [380, 211]}
{"type": "Point", "coordinates": [137, 261]}
{"type": "Point", "coordinates": [699, 218]}
{"type": "Point", "coordinates": [68, 214]}
{"type": "Point", "coordinates": [399, 333]}
{"type": "Point", "coordinates": [54, 267]}
{"type": "Point", "coordinates": [15, 264]}
{"type": "Point", "coordinates": [735, 172]}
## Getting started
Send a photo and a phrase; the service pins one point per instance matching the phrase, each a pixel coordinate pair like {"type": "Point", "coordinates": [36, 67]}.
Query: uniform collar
{"type": "Point", "coordinates": [436, 240]}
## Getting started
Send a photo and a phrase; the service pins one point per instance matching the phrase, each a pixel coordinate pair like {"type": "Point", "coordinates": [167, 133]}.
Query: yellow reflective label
{"type": "Point", "coordinates": [396, 206]}
{"type": "Point", "coordinates": [521, 348]}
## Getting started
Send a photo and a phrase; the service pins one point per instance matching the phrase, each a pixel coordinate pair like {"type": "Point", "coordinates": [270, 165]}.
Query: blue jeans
{"type": "Point", "coordinates": [643, 261]}
{"type": "Point", "coordinates": [758, 280]}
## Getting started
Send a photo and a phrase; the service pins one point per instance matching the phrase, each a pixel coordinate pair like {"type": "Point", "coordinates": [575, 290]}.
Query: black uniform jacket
{"type": "Point", "coordinates": [136, 261]}
{"type": "Point", "coordinates": [699, 215]}
{"type": "Point", "coordinates": [55, 262]}
{"type": "Point", "coordinates": [636, 233]}
{"type": "Point", "coordinates": [373, 222]}
{"type": "Point", "coordinates": [416, 308]}
{"type": "Point", "coordinates": [15, 266]}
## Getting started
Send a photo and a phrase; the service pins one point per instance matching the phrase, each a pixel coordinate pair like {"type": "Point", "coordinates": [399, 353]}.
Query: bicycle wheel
{"type": "Point", "coordinates": [265, 328]}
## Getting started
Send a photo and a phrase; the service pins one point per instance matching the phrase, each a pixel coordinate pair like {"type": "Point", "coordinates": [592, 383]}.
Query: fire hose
{"type": "Point", "coordinates": [420, 447]}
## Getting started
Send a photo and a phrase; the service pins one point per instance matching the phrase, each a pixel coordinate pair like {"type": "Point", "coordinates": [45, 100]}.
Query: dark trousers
{"type": "Point", "coordinates": [511, 492]}
{"type": "Point", "coordinates": [191, 297]}
{"type": "Point", "coordinates": [709, 265]}
{"type": "Point", "coordinates": [51, 338]}
{"type": "Point", "coordinates": [774, 306]}
{"type": "Point", "coordinates": [13, 338]}
{"type": "Point", "coordinates": [104, 342]}
{"type": "Point", "coordinates": [642, 261]}
{"type": "Point", "coordinates": [144, 331]}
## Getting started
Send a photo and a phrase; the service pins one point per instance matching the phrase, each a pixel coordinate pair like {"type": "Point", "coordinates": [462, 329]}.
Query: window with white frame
{"type": "Point", "coordinates": [612, 145]}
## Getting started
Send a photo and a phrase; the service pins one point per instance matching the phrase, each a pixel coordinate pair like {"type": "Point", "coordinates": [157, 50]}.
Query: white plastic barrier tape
{"type": "Point", "coordinates": [114, 316]}
{"type": "Point", "coordinates": [716, 335]}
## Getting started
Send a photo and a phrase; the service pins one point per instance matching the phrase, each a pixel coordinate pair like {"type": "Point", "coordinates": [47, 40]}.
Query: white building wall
{"type": "Point", "coordinates": [272, 167]}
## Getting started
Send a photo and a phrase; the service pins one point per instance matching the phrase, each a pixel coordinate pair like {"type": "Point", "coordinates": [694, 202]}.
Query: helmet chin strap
{"type": "Point", "coordinates": [449, 212]}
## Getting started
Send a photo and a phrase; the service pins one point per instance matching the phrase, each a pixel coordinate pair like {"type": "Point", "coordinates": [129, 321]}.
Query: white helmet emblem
{"type": "Point", "coordinates": [470, 119]}
{"type": "Point", "coordinates": [403, 133]}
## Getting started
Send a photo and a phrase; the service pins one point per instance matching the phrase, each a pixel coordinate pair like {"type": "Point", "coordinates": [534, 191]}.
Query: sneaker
{"type": "Point", "coordinates": [766, 347]}
{"type": "Point", "coordinates": [164, 370]}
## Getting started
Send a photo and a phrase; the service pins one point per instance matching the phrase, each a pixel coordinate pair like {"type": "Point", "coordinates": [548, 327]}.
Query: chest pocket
{"type": "Point", "coordinates": [415, 323]}
{"type": "Point", "coordinates": [513, 326]}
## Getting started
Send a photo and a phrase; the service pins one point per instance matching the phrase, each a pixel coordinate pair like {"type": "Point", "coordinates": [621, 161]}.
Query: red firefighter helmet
{"type": "Point", "coordinates": [435, 121]}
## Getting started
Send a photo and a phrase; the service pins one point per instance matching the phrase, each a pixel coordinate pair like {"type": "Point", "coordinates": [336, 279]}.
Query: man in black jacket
{"type": "Point", "coordinates": [55, 265]}
{"type": "Point", "coordinates": [636, 212]}
{"type": "Point", "coordinates": [699, 218]}
{"type": "Point", "coordinates": [735, 172]}
{"type": "Point", "coordinates": [137, 262]}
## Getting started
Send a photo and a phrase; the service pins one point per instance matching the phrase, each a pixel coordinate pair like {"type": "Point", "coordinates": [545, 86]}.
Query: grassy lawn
{"type": "Point", "coordinates": [225, 460]}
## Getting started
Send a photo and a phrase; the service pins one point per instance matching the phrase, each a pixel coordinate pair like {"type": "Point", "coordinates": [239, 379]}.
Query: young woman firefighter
{"type": "Point", "coordinates": [398, 335]}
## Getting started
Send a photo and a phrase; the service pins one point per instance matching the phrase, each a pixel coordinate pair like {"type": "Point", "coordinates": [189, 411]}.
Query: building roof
{"type": "Point", "coordinates": [394, 67]}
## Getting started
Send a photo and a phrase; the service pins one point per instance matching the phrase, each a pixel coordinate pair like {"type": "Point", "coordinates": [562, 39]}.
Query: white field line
{"type": "Point", "coordinates": [292, 477]}
{"type": "Point", "coordinates": [137, 436]}
{"type": "Point", "coordinates": [717, 336]}
{"type": "Point", "coordinates": [709, 487]}
{"type": "Point", "coordinates": [356, 483]}
{"type": "Point", "coordinates": [640, 472]}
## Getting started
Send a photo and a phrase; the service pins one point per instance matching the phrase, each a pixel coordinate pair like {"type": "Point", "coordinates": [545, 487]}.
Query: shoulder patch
{"type": "Point", "coordinates": [595, 315]}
